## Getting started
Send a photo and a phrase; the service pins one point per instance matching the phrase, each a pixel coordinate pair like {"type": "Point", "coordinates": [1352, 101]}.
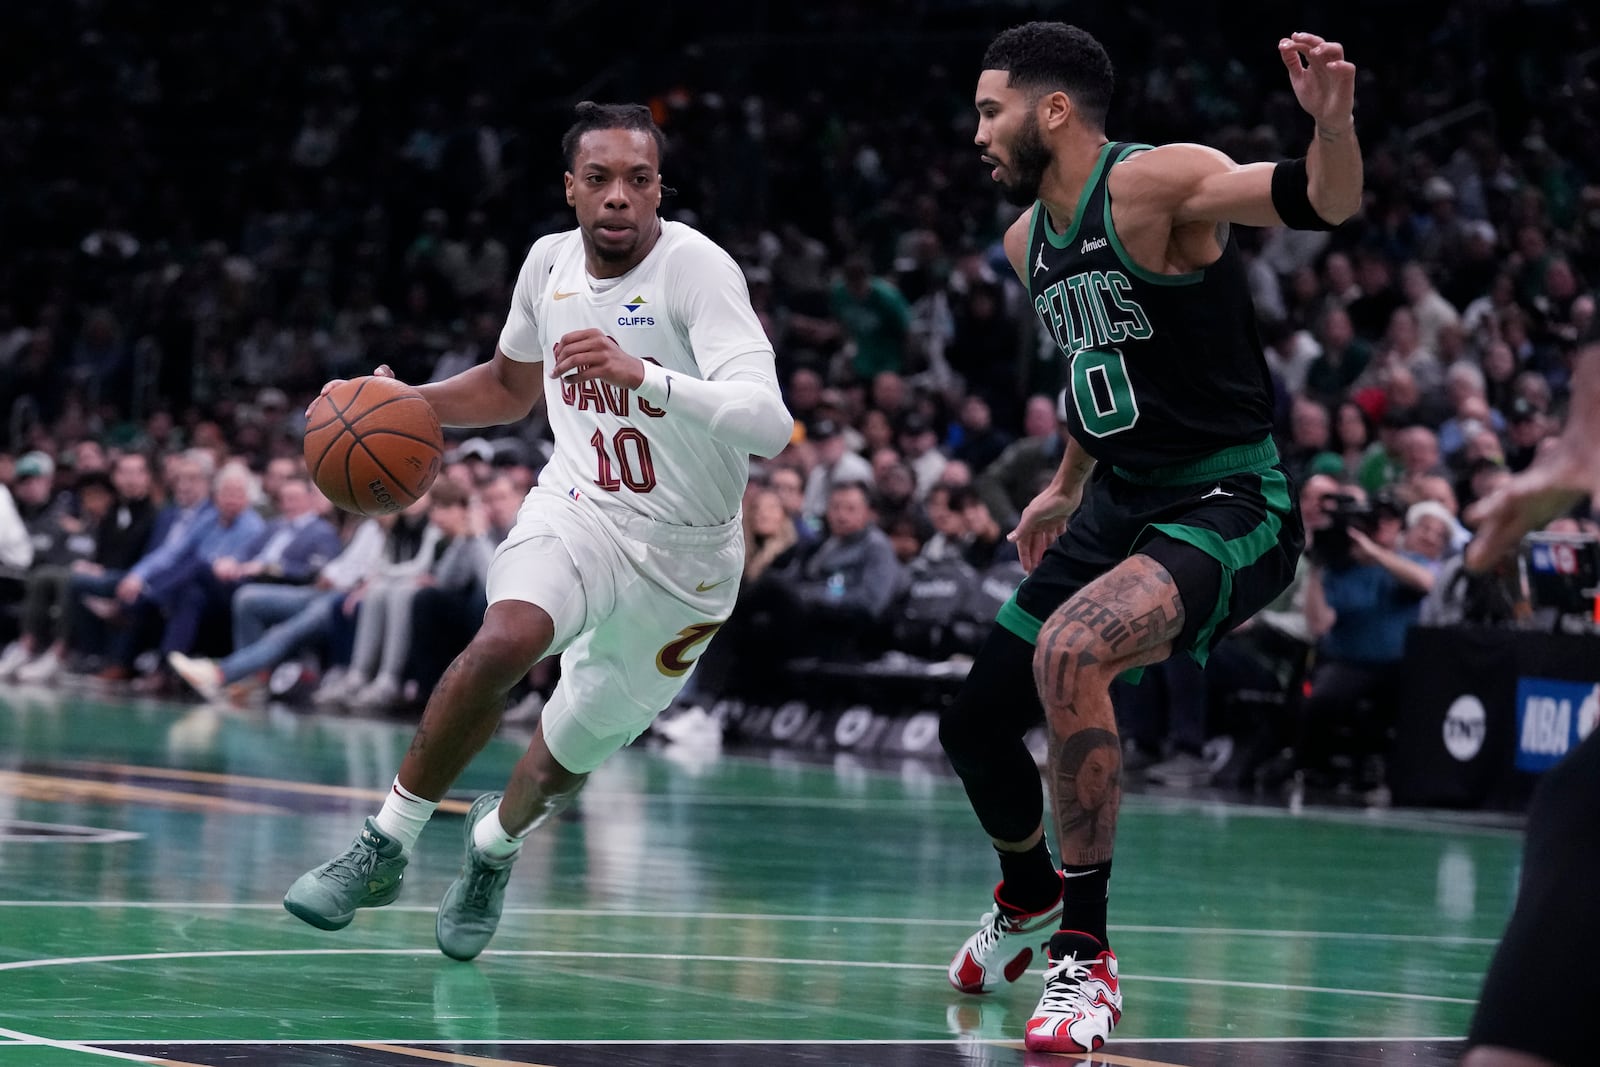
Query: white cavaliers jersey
{"type": "Point", "coordinates": [685, 307]}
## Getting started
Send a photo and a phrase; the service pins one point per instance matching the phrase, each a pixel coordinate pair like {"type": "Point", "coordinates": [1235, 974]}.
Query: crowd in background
{"type": "Point", "coordinates": [203, 224]}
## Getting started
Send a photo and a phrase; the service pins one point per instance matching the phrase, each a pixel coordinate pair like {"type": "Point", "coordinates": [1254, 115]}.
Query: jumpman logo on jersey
{"type": "Point", "coordinates": [1218, 491]}
{"type": "Point", "coordinates": [1039, 264]}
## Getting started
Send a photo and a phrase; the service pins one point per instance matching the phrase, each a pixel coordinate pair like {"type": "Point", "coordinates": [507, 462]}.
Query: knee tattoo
{"type": "Point", "coordinates": [1060, 663]}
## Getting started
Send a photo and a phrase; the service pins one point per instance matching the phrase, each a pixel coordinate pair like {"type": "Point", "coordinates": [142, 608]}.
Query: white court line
{"type": "Point", "coordinates": [1412, 819]}
{"type": "Point", "coordinates": [17, 1037]}
{"type": "Point", "coordinates": [830, 1041]}
{"type": "Point", "coordinates": [676, 957]}
{"type": "Point", "coordinates": [21, 830]}
{"type": "Point", "coordinates": [740, 916]}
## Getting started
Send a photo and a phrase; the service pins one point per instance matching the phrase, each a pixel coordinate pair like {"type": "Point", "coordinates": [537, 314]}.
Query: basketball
{"type": "Point", "coordinates": [373, 445]}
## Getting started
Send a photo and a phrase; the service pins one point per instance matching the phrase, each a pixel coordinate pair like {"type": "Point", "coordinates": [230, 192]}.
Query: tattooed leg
{"type": "Point", "coordinates": [465, 706]}
{"type": "Point", "coordinates": [1126, 618]}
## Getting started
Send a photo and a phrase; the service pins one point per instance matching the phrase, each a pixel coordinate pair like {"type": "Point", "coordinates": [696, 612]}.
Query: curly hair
{"type": "Point", "coordinates": [1047, 57]}
{"type": "Point", "coordinates": [593, 116]}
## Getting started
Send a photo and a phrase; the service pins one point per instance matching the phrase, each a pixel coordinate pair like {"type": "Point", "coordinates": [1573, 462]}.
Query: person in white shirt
{"type": "Point", "coordinates": [626, 557]}
{"type": "Point", "coordinates": [16, 546]}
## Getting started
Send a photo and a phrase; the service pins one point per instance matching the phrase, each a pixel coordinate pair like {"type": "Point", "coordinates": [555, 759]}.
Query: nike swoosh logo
{"type": "Point", "coordinates": [704, 588]}
{"type": "Point", "coordinates": [559, 295]}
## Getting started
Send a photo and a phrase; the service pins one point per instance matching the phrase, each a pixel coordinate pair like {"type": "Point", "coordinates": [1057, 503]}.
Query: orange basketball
{"type": "Point", "coordinates": [373, 445]}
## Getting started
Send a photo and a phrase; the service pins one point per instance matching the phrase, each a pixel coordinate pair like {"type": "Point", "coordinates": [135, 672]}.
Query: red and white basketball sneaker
{"type": "Point", "coordinates": [1003, 947]}
{"type": "Point", "coordinates": [1081, 1001]}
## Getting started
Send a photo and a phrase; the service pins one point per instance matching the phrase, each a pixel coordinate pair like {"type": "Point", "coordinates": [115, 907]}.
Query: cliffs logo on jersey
{"type": "Point", "coordinates": [1094, 309]}
{"type": "Point", "coordinates": [633, 318]}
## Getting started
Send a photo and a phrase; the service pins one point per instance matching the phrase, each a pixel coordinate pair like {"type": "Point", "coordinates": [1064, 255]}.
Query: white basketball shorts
{"type": "Point", "coordinates": [634, 602]}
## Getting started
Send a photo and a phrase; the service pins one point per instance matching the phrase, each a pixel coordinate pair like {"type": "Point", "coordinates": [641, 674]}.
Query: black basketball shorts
{"type": "Point", "coordinates": [1230, 542]}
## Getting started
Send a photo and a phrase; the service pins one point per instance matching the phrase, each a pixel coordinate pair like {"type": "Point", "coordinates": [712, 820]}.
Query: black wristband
{"type": "Point", "coordinates": [1290, 189]}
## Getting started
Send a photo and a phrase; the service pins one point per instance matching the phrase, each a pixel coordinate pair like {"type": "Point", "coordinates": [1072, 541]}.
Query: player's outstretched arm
{"type": "Point", "coordinates": [490, 394]}
{"type": "Point", "coordinates": [1316, 192]}
{"type": "Point", "coordinates": [1563, 473]}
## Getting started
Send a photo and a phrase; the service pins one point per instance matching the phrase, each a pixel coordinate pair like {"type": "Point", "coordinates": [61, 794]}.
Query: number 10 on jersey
{"type": "Point", "coordinates": [633, 463]}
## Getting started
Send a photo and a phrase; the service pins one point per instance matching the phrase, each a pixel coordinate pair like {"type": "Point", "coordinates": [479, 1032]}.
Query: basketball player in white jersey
{"type": "Point", "coordinates": [625, 559]}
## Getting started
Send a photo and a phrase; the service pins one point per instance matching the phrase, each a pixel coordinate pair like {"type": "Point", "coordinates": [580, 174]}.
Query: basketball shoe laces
{"type": "Point", "coordinates": [354, 866]}
{"type": "Point", "coordinates": [1063, 987]}
{"type": "Point", "coordinates": [480, 886]}
{"type": "Point", "coordinates": [996, 924]}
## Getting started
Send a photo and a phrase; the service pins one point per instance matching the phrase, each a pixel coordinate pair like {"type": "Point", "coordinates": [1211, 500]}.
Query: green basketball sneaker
{"type": "Point", "coordinates": [366, 875]}
{"type": "Point", "coordinates": [470, 911]}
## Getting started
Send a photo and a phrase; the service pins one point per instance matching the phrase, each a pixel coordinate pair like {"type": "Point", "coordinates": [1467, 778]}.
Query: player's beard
{"type": "Point", "coordinates": [1030, 157]}
{"type": "Point", "coordinates": [613, 253]}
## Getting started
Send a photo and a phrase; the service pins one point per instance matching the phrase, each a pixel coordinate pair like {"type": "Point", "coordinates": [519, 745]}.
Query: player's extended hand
{"type": "Point", "coordinates": [1043, 520]}
{"type": "Point", "coordinates": [382, 370]}
{"type": "Point", "coordinates": [587, 355]}
{"type": "Point", "coordinates": [1548, 488]}
{"type": "Point", "coordinates": [1324, 81]}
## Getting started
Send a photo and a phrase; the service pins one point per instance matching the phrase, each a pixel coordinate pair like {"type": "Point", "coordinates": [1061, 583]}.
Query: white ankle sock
{"type": "Point", "coordinates": [404, 815]}
{"type": "Point", "coordinates": [491, 838]}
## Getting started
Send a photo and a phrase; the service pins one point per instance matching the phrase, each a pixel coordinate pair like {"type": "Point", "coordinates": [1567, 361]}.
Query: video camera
{"type": "Point", "coordinates": [1330, 546]}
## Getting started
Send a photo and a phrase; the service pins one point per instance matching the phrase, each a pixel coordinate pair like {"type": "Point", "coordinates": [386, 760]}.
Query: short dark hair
{"type": "Point", "coordinates": [94, 480]}
{"type": "Point", "coordinates": [962, 497]}
{"type": "Point", "coordinates": [855, 487]}
{"type": "Point", "coordinates": [448, 494]}
{"type": "Point", "coordinates": [1046, 57]}
{"type": "Point", "coordinates": [593, 116]}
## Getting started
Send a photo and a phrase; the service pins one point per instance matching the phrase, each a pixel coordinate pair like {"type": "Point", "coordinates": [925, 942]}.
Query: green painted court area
{"type": "Point", "coordinates": [694, 908]}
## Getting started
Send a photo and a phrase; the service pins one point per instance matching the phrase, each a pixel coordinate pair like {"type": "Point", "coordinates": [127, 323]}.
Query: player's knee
{"type": "Point", "coordinates": [510, 642]}
{"type": "Point", "coordinates": [1065, 665]}
{"type": "Point", "coordinates": [546, 777]}
{"type": "Point", "coordinates": [961, 732]}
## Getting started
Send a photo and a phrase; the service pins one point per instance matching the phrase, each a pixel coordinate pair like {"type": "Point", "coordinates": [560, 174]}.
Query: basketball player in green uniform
{"type": "Point", "coordinates": [1170, 519]}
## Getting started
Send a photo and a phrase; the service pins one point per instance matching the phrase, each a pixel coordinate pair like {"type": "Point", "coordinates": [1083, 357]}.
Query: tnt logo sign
{"type": "Point", "coordinates": [1552, 717]}
{"type": "Point", "coordinates": [1465, 726]}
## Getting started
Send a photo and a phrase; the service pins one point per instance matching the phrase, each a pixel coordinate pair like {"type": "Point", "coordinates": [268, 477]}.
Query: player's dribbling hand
{"type": "Point", "coordinates": [1043, 520]}
{"type": "Point", "coordinates": [1324, 81]}
{"type": "Point", "coordinates": [382, 370]}
{"type": "Point", "coordinates": [589, 355]}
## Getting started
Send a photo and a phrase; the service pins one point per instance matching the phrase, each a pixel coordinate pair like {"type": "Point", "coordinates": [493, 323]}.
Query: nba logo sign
{"type": "Point", "coordinates": [1553, 716]}
{"type": "Point", "coordinates": [1554, 559]}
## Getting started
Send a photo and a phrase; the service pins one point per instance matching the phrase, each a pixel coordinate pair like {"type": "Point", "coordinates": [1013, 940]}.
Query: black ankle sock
{"type": "Point", "coordinates": [1028, 880]}
{"type": "Point", "coordinates": [1084, 898]}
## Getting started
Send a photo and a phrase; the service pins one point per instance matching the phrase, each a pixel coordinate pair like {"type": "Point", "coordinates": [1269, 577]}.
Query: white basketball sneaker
{"type": "Point", "coordinates": [1081, 1001]}
{"type": "Point", "coordinates": [1003, 947]}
